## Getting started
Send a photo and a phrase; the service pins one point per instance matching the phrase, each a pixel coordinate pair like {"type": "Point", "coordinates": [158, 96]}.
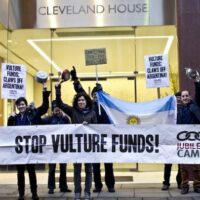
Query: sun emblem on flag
{"type": "Point", "coordinates": [133, 120]}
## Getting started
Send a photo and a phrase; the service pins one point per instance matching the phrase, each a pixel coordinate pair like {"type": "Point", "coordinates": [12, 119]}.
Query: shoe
{"type": "Point", "coordinates": [165, 187]}
{"type": "Point", "coordinates": [65, 190]}
{"type": "Point", "coordinates": [111, 190]}
{"type": "Point", "coordinates": [184, 190]}
{"type": "Point", "coordinates": [21, 197]}
{"type": "Point", "coordinates": [51, 191]}
{"type": "Point", "coordinates": [179, 187]}
{"type": "Point", "coordinates": [35, 197]}
{"type": "Point", "coordinates": [197, 190]}
{"type": "Point", "coordinates": [77, 196]}
{"type": "Point", "coordinates": [87, 196]}
{"type": "Point", "coordinates": [97, 190]}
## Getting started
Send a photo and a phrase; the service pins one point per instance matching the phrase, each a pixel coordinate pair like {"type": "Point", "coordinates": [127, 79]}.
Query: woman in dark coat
{"type": "Point", "coordinates": [80, 113]}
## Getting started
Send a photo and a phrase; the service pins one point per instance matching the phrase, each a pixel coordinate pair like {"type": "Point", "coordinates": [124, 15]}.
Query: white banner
{"type": "Point", "coordinates": [13, 82]}
{"type": "Point", "coordinates": [100, 143]}
{"type": "Point", "coordinates": [157, 71]}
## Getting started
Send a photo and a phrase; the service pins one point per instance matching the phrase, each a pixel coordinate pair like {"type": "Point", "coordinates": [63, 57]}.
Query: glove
{"type": "Point", "coordinates": [73, 74]}
{"type": "Point", "coordinates": [98, 87]}
{"type": "Point", "coordinates": [31, 105]}
{"type": "Point", "coordinates": [46, 93]}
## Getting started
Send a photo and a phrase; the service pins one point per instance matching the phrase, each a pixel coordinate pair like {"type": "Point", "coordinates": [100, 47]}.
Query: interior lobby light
{"type": "Point", "coordinates": [33, 42]}
{"type": "Point", "coordinates": [168, 44]}
{"type": "Point", "coordinates": [44, 55]}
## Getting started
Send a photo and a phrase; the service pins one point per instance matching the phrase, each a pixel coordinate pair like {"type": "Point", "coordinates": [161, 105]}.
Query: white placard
{"type": "Point", "coordinates": [100, 143]}
{"type": "Point", "coordinates": [157, 71]}
{"type": "Point", "coordinates": [13, 82]}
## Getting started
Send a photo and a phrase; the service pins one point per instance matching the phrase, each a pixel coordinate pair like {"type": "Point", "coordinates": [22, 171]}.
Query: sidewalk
{"type": "Point", "coordinates": [144, 186]}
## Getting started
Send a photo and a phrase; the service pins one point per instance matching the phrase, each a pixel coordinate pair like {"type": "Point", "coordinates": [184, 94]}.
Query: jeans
{"type": "Point", "coordinates": [62, 178]}
{"type": "Point", "coordinates": [185, 169]}
{"type": "Point", "coordinates": [109, 175]}
{"type": "Point", "coordinates": [167, 174]}
{"type": "Point", "coordinates": [21, 178]}
{"type": "Point", "coordinates": [77, 177]}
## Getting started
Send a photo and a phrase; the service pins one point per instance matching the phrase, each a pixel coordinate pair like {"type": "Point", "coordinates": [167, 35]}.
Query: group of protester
{"type": "Point", "coordinates": [83, 111]}
{"type": "Point", "coordinates": [87, 111]}
{"type": "Point", "coordinates": [188, 112]}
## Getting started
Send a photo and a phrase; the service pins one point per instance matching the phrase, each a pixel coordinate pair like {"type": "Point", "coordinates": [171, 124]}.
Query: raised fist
{"type": "Point", "coordinates": [73, 74]}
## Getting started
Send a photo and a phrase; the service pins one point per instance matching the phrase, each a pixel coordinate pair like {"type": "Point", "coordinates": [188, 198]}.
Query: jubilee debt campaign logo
{"type": "Point", "coordinates": [188, 144]}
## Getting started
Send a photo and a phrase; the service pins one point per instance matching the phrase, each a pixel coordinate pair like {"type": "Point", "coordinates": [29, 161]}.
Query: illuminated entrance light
{"type": "Point", "coordinates": [168, 44]}
{"type": "Point", "coordinates": [33, 42]}
{"type": "Point", "coordinates": [44, 55]}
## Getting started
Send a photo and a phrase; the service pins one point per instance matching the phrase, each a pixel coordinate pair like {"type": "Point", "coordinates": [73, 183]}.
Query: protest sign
{"type": "Point", "coordinates": [95, 56]}
{"type": "Point", "coordinates": [13, 82]}
{"type": "Point", "coordinates": [157, 71]}
{"type": "Point", "coordinates": [77, 143]}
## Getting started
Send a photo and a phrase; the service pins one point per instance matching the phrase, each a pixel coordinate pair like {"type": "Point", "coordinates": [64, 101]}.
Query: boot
{"type": "Point", "coordinates": [21, 197]}
{"type": "Point", "coordinates": [35, 197]}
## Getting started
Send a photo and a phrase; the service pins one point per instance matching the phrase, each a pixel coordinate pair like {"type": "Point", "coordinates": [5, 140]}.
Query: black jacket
{"type": "Point", "coordinates": [101, 118]}
{"type": "Point", "coordinates": [77, 116]}
{"type": "Point", "coordinates": [31, 116]}
{"type": "Point", "coordinates": [190, 113]}
{"type": "Point", "coordinates": [54, 119]}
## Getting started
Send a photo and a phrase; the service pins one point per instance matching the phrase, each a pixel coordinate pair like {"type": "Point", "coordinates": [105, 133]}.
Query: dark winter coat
{"type": "Point", "coordinates": [31, 116]}
{"type": "Point", "coordinates": [54, 119]}
{"type": "Point", "coordinates": [190, 113]}
{"type": "Point", "coordinates": [101, 118]}
{"type": "Point", "coordinates": [77, 116]}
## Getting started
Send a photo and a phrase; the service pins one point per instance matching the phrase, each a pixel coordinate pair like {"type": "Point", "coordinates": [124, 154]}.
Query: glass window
{"type": "Point", "coordinates": [54, 50]}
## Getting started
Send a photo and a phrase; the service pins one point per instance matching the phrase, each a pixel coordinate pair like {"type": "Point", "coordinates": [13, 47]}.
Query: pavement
{"type": "Point", "coordinates": [142, 186]}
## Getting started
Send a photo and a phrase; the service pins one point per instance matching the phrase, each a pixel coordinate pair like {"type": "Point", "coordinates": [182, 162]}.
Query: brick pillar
{"type": "Point", "coordinates": [188, 32]}
{"type": "Point", "coordinates": [28, 15]}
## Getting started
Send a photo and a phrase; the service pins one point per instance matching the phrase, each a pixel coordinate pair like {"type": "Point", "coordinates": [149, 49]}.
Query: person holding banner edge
{"type": "Point", "coordinates": [102, 118]}
{"type": "Point", "coordinates": [57, 117]}
{"type": "Point", "coordinates": [168, 167]}
{"type": "Point", "coordinates": [189, 113]}
{"type": "Point", "coordinates": [80, 113]}
{"type": "Point", "coordinates": [28, 116]}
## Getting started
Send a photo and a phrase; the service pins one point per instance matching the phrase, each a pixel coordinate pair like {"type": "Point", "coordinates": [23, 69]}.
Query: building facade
{"type": "Point", "coordinates": [54, 36]}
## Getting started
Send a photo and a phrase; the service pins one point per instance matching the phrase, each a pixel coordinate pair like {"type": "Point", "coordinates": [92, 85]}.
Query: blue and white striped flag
{"type": "Point", "coordinates": [160, 111]}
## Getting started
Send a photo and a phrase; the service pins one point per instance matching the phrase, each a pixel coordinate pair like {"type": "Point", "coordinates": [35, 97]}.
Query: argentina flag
{"type": "Point", "coordinates": [159, 111]}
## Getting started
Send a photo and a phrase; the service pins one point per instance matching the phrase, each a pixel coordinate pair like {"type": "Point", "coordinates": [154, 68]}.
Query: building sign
{"type": "Point", "coordinates": [88, 13]}
{"type": "Point", "coordinates": [81, 13]}
{"type": "Point", "coordinates": [13, 83]}
{"type": "Point", "coordinates": [157, 73]}
{"type": "Point", "coordinates": [95, 56]}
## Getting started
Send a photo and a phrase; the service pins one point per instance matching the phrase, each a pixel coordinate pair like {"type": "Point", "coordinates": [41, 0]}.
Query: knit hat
{"type": "Point", "coordinates": [98, 87]}
{"type": "Point", "coordinates": [178, 94]}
